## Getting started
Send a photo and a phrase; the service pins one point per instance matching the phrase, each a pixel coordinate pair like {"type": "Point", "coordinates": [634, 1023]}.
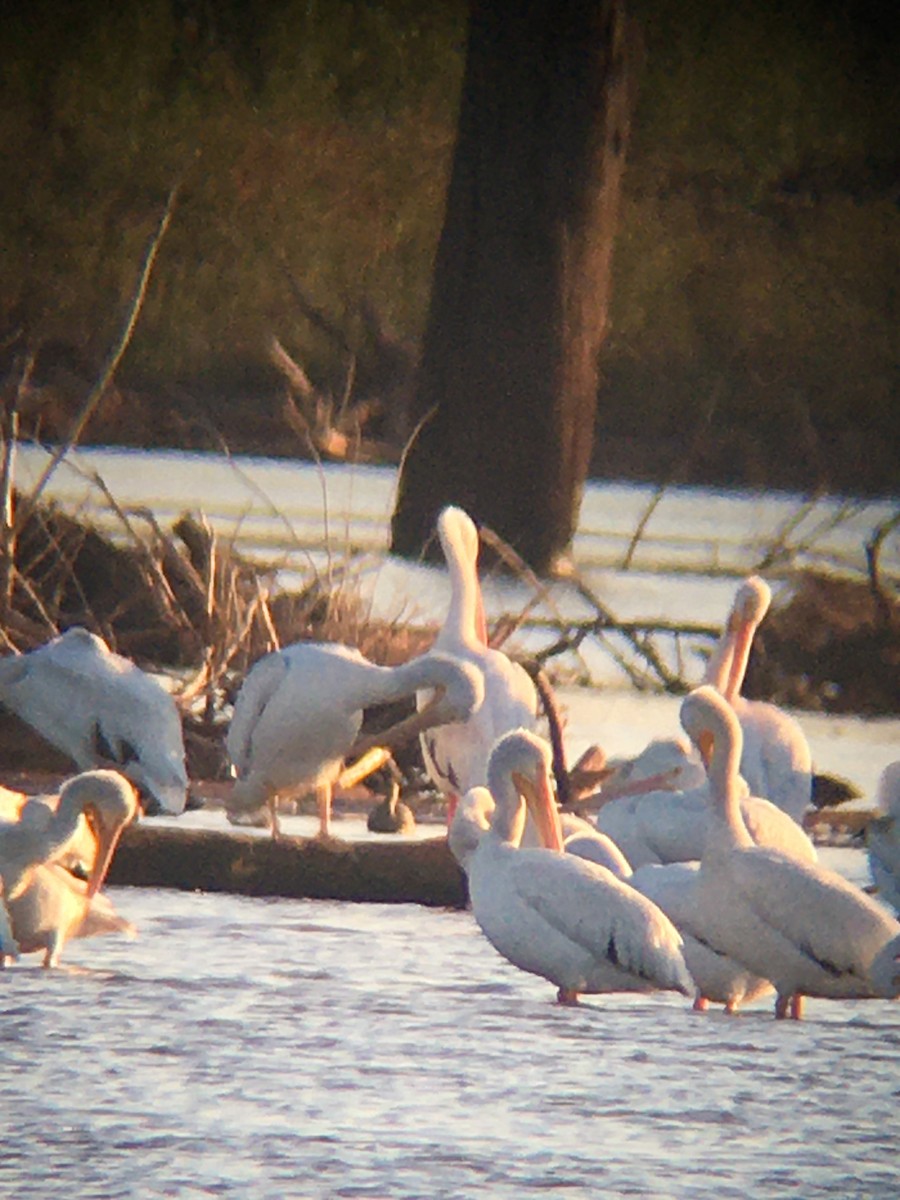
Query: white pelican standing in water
{"type": "Point", "coordinates": [883, 838]}
{"type": "Point", "coordinates": [456, 754]}
{"type": "Point", "coordinates": [803, 927]}
{"type": "Point", "coordinates": [776, 760]}
{"type": "Point", "coordinates": [720, 979]}
{"type": "Point", "coordinates": [299, 712]}
{"type": "Point", "coordinates": [54, 907]}
{"type": "Point", "coordinates": [44, 903]}
{"type": "Point", "coordinates": [101, 710]}
{"type": "Point", "coordinates": [553, 914]}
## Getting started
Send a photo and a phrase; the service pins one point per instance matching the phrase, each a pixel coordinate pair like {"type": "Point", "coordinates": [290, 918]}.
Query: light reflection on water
{"type": "Point", "coordinates": [264, 1048]}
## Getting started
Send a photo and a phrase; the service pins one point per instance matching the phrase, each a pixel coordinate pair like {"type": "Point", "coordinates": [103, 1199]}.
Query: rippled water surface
{"type": "Point", "coordinates": [265, 1048]}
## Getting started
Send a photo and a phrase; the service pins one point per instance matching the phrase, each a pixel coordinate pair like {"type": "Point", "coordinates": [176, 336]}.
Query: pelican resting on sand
{"type": "Point", "coordinates": [795, 923]}
{"type": "Point", "coordinates": [555, 915]}
{"type": "Point", "coordinates": [44, 903]}
{"type": "Point", "coordinates": [299, 712]}
{"type": "Point", "coordinates": [101, 710]}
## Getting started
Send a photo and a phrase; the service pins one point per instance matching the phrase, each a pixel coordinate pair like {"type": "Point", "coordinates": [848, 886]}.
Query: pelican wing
{"type": "Point", "coordinates": [100, 708]}
{"type": "Point", "coordinates": [606, 918]}
{"type": "Point", "coordinates": [257, 691]}
{"type": "Point", "coordinates": [821, 914]}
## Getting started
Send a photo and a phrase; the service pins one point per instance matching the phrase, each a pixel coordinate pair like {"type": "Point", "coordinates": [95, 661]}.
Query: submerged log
{"type": "Point", "coordinates": [421, 872]}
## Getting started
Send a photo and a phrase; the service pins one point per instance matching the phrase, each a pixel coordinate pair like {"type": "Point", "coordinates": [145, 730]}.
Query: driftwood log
{"type": "Point", "coordinates": [421, 872]}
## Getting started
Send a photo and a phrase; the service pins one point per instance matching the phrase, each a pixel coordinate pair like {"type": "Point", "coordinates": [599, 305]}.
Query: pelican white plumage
{"type": "Point", "coordinates": [101, 710]}
{"type": "Point", "coordinates": [37, 812]}
{"type": "Point", "coordinates": [44, 903]}
{"type": "Point", "coordinates": [776, 760]}
{"type": "Point", "coordinates": [671, 826]}
{"type": "Point", "coordinates": [299, 712]}
{"type": "Point", "coordinates": [796, 923]}
{"type": "Point", "coordinates": [664, 764]}
{"type": "Point", "coordinates": [883, 838]}
{"type": "Point", "coordinates": [719, 978]}
{"type": "Point", "coordinates": [53, 907]}
{"type": "Point", "coordinates": [456, 754]}
{"type": "Point", "coordinates": [555, 915]}
{"type": "Point", "coordinates": [106, 800]}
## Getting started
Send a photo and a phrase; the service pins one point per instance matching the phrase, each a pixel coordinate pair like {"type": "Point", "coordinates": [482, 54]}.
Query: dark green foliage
{"type": "Point", "coordinates": [756, 271]}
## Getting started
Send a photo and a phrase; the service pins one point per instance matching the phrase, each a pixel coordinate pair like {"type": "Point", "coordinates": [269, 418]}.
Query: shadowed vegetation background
{"type": "Point", "coordinates": [756, 269]}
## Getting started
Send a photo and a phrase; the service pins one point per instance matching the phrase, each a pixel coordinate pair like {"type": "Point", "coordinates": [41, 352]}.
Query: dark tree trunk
{"type": "Point", "coordinates": [522, 277]}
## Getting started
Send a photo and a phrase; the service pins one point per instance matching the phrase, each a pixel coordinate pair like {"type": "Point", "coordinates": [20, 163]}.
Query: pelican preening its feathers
{"type": "Point", "coordinates": [299, 713]}
{"type": "Point", "coordinates": [552, 914]}
{"type": "Point", "coordinates": [101, 710]}
{"type": "Point", "coordinates": [44, 904]}
{"type": "Point", "coordinates": [689, 881]}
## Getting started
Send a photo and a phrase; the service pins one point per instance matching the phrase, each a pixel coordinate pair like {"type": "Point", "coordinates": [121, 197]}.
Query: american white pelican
{"type": "Point", "coordinates": [666, 826]}
{"type": "Point", "coordinates": [776, 760]}
{"type": "Point", "coordinates": [555, 915]}
{"type": "Point", "coordinates": [299, 711]}
{"type": "Point", "coordinates": [803, 927]}
{"type": "Point", "coordinates": [456, 754]}
{"type": "Point", "coordinates": [719, 978]}
{"type": "Point", "coordinates": [44, 903]}
{"type": "Point", "coordinates": [105, 799]}
{"type": "Point", "coordinates": [53, 907]}
{"type": "Point", "coordinates": [37, 812]}
{"type": "Point", "coordinates": [883, 838]}
{"type": "Point", "coordinates": [473, 816]}
{"type": "Point", "coordinates": [665, 764]}
{"type": "Point", "coordinates": [101, 710]}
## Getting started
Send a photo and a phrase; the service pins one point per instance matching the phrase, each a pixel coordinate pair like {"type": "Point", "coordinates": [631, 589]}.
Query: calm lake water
{"type": "Point", "coordinates": [258, 1049]}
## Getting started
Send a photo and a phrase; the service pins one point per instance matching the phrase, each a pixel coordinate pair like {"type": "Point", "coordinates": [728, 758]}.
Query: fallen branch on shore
{"type": "Point", "coordinates": [415, 872]}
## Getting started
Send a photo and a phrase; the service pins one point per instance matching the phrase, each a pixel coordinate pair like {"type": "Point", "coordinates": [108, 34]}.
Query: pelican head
{"type": "Point", "coordinates": [709, 721]}
{"type": "Point", "coordinates": [523, 759]}
{"type": "Point", "coordinates": [457, 530]}
{"type": "Point", "coordinates": [458, 535]}
{"type": "Point", "coordinates": [666, 764]}
{"type": "Point", "coordinates": [109, 803]}
{"type": "Point", "coordinates": [751, 603]}
{"type": "Point", "coordinates": [458, 692]}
